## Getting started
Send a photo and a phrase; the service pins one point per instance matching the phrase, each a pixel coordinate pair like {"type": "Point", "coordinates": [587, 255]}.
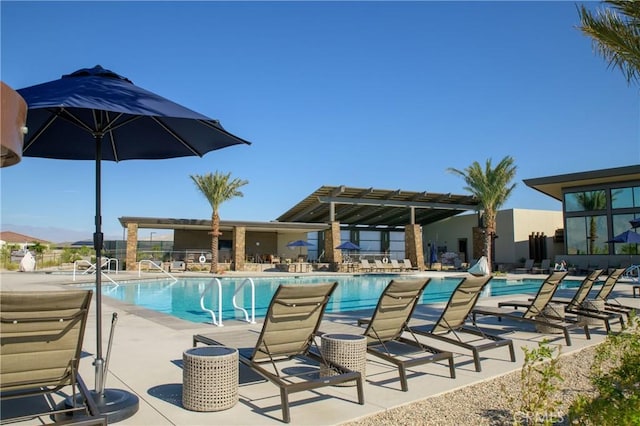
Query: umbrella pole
{"type": "Point", "coordinates": [97, 245]}
{"type": "Point", "coordinates": [115, 404]}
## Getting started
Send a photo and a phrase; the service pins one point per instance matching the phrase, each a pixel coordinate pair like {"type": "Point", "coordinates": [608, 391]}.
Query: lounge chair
{"type": "Point", "coordinates": [451, 325]}
{"type": "Point", "coordinates": [390, 321]}
{"type": "Point", "coordinates": [381, 267]}
{"type": "Point", "coordinates": [604, 294]}
{"type": "Point", "coordinates": [395, 266]}
{"type": "Point", "coordinates": [408, 266]}
{"type": "Point", "coordinates": [544, 268]}
{"type": "Point", "coordinates": [535, 312]}
{"type": "Point", "coordinates": [528, 265]}
{"type": "Point", "coordinates": [41, 336]}
{"type": "Point", "coordinates": [575, 305]}
{"type": "Point", "coordinates": [365, 266]}
{"type": "Point", "coordinates": [288, 335]}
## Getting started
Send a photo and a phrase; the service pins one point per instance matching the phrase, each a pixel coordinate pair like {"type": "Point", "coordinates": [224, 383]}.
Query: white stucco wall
{"type": "Point", "coordinates": [513, 229]}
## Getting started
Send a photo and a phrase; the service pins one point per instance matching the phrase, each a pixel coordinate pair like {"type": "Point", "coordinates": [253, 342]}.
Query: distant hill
{"type": "Point", "coordinates": [52, 234]}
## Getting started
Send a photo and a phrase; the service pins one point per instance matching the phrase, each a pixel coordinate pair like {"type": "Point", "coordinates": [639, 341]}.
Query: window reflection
{"type": "Point", "coordinates": [585, 201]}
{"type": "Point", "coordinates": [622, 198]}
{"type": "Point", "coordinates": [587, 235]}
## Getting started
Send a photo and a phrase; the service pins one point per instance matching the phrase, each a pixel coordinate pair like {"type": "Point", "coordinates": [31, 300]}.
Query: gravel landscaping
{"type": "Point", "coordinates": [488, 403]}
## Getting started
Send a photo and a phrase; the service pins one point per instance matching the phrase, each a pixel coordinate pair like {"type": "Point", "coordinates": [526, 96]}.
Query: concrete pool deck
{"type": "Point", "coordinates": [146, 359]}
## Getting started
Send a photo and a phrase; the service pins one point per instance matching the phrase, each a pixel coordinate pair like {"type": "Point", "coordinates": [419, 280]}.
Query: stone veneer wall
{"type": "Point", "coordinates": [239, 238]}
{"type": "Point", "coordinates": [331, 241]}
{"type": "Point", "coordinates": [132, 247]}
{"type": "Point", "coordinates": [413, 245]}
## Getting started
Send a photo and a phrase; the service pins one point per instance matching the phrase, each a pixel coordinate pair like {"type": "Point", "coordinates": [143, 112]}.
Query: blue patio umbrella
{"type": "Point", "coordinates": [635, 223]}
{"type": "Point", "coordinates": [629, 237]}
{"type": "Point", "coordinates": [433, 256]}
{"type": "Point", "coordinates": [96, 114]}
{"type": "Point", "coordinates": [299, 243]}
{"type": "Point", "coordinates": [348, 245]}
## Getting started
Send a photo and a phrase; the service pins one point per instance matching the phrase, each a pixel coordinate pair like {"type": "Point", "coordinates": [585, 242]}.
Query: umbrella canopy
{"type": "Point", "coordinates": [433, 255]}
{"type": "Point", "coordinates": [299, 243]}
{"type": "Point", "coordinates": [348, 245]}
{"type": "Point", "coordinates": [635, 223]}
{"type": "Point", "coordinates": [96, 114]}
{"type": "Point", "coordinates": [629, 237]}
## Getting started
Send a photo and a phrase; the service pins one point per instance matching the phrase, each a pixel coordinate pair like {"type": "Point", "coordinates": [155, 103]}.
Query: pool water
{"type": "Point", "coordinates": [182, 298]}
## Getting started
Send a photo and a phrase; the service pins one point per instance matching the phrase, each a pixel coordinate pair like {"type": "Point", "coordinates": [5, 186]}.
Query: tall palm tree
{"type": "Point", "coordinates": [616, 34]}
{"type": "Point", "coordinates": [492, 187]}
{"type": "Point", "coordinates": [217, 188]}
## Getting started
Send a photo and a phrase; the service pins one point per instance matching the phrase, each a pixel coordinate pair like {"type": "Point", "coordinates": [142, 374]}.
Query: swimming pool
{"type": "Point", "coordinates": [182, 298]}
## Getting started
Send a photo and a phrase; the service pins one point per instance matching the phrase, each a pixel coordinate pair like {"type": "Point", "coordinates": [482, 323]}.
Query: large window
{"type": "Point", "coordinates": [620, 225]}
{"type": "Point", "coordinates": [622, 198]}
{"type": "Point", "coordinates": [587, 235]}
{"type": "Point", "coordinates": [585, 201]}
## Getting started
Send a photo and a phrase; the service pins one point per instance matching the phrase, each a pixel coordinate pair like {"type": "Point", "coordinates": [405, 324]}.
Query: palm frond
{"type": "Point", "coordinates": [616, 35]}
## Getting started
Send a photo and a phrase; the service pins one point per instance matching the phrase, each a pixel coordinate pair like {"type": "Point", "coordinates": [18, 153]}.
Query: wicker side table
{"type": "Point", "coordinates": [555, 310]}
{"type": "Point", "coordinates": [591, 305]}
{"type": "Point", "coordinates": [210, 378]}
{"type": "Point", "coordinates": [347, 350]}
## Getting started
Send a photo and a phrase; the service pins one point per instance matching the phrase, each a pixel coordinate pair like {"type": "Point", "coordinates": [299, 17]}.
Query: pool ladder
{"type": "Point", "coordinates": [218, 321]}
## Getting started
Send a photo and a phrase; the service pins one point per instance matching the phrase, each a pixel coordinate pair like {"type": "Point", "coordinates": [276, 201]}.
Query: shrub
{"type": "Point", "coordinates": [539, 382]}
{"type": "Point", "coordinates": [616, 376]}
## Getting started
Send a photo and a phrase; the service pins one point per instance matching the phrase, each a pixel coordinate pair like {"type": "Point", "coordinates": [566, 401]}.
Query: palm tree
{"type": "Point", "coordinates": [492, 187]}
{"type": "Point", "coordinates": [616, 35]}
{"type": "Point", "coordinates": [217, 188]}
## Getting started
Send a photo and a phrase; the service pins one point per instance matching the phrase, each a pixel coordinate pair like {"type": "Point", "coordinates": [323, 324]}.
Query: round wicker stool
{"type": "Point", "coordinates": [210, 378]}
{"type": "Point", "coordinates": [554, 310]}
{"type": "Point", "coordinates": [347, 350]}
{"type": "Point", "coordinates": [591, 305]}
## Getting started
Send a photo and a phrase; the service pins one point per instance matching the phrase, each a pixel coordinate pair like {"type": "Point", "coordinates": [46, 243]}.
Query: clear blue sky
{"type": "Point", "coordinates": [365, 94]}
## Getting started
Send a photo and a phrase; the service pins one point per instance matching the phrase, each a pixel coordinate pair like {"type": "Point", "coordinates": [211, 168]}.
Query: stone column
{"type": "Point", "coordinates": [131, 258]}
{"type": "Point", "coordinates": [239, 248]}
{"type": "Point", "coordinates": [331, 241]}
{"type": "Point", "coordinates": [413, 245]}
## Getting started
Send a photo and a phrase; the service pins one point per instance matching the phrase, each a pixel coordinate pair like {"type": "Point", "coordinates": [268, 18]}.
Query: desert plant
{"type": "Point", "coordinates": [616, 377]}
{"type": "Point", "coordinates": [539, 381]}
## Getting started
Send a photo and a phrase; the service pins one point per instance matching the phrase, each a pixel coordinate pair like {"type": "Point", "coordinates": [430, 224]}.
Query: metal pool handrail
{"type": "Point", "coordinates": [253, 301]}
{"type": "Point", "coordinates": [213, 315]}
{"type": "Point", "coordinates": [92, 268]}
{"type": "Point", "coordinates": [218, 321]}
{"type": "Point", "coordinates": [157, 266]}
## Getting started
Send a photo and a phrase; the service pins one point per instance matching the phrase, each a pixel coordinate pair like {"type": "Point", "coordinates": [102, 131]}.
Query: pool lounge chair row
{"type": "Point", "coordinates": [42, 333]}
{"type": "Point", "coordinates": [392, 265]}
{"type": "Point", "coordinates": [291, 329]}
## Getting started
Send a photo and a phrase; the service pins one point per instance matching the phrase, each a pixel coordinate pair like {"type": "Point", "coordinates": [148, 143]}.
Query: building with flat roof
{"type": "Point", "coordinates": [425, 227]}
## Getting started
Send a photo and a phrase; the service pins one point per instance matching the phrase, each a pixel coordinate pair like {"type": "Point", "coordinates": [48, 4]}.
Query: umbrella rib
{"type": "Point", "coordinates": [41, 130]}
{"type": "Point", "coordinates": [215, 124]}
{"type": "Point", "coordinates": [176, 136]}
{"type": "Point", "coordinates": [109, 128]}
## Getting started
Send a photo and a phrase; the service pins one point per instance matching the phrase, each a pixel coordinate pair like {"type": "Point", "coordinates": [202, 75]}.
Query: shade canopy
{"type": "Point", "coordinates": [629, 237]}
{"type": "Point", "coordinates": [348, 245]}
{"type": "Point", "coordinates": [635, 223]}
